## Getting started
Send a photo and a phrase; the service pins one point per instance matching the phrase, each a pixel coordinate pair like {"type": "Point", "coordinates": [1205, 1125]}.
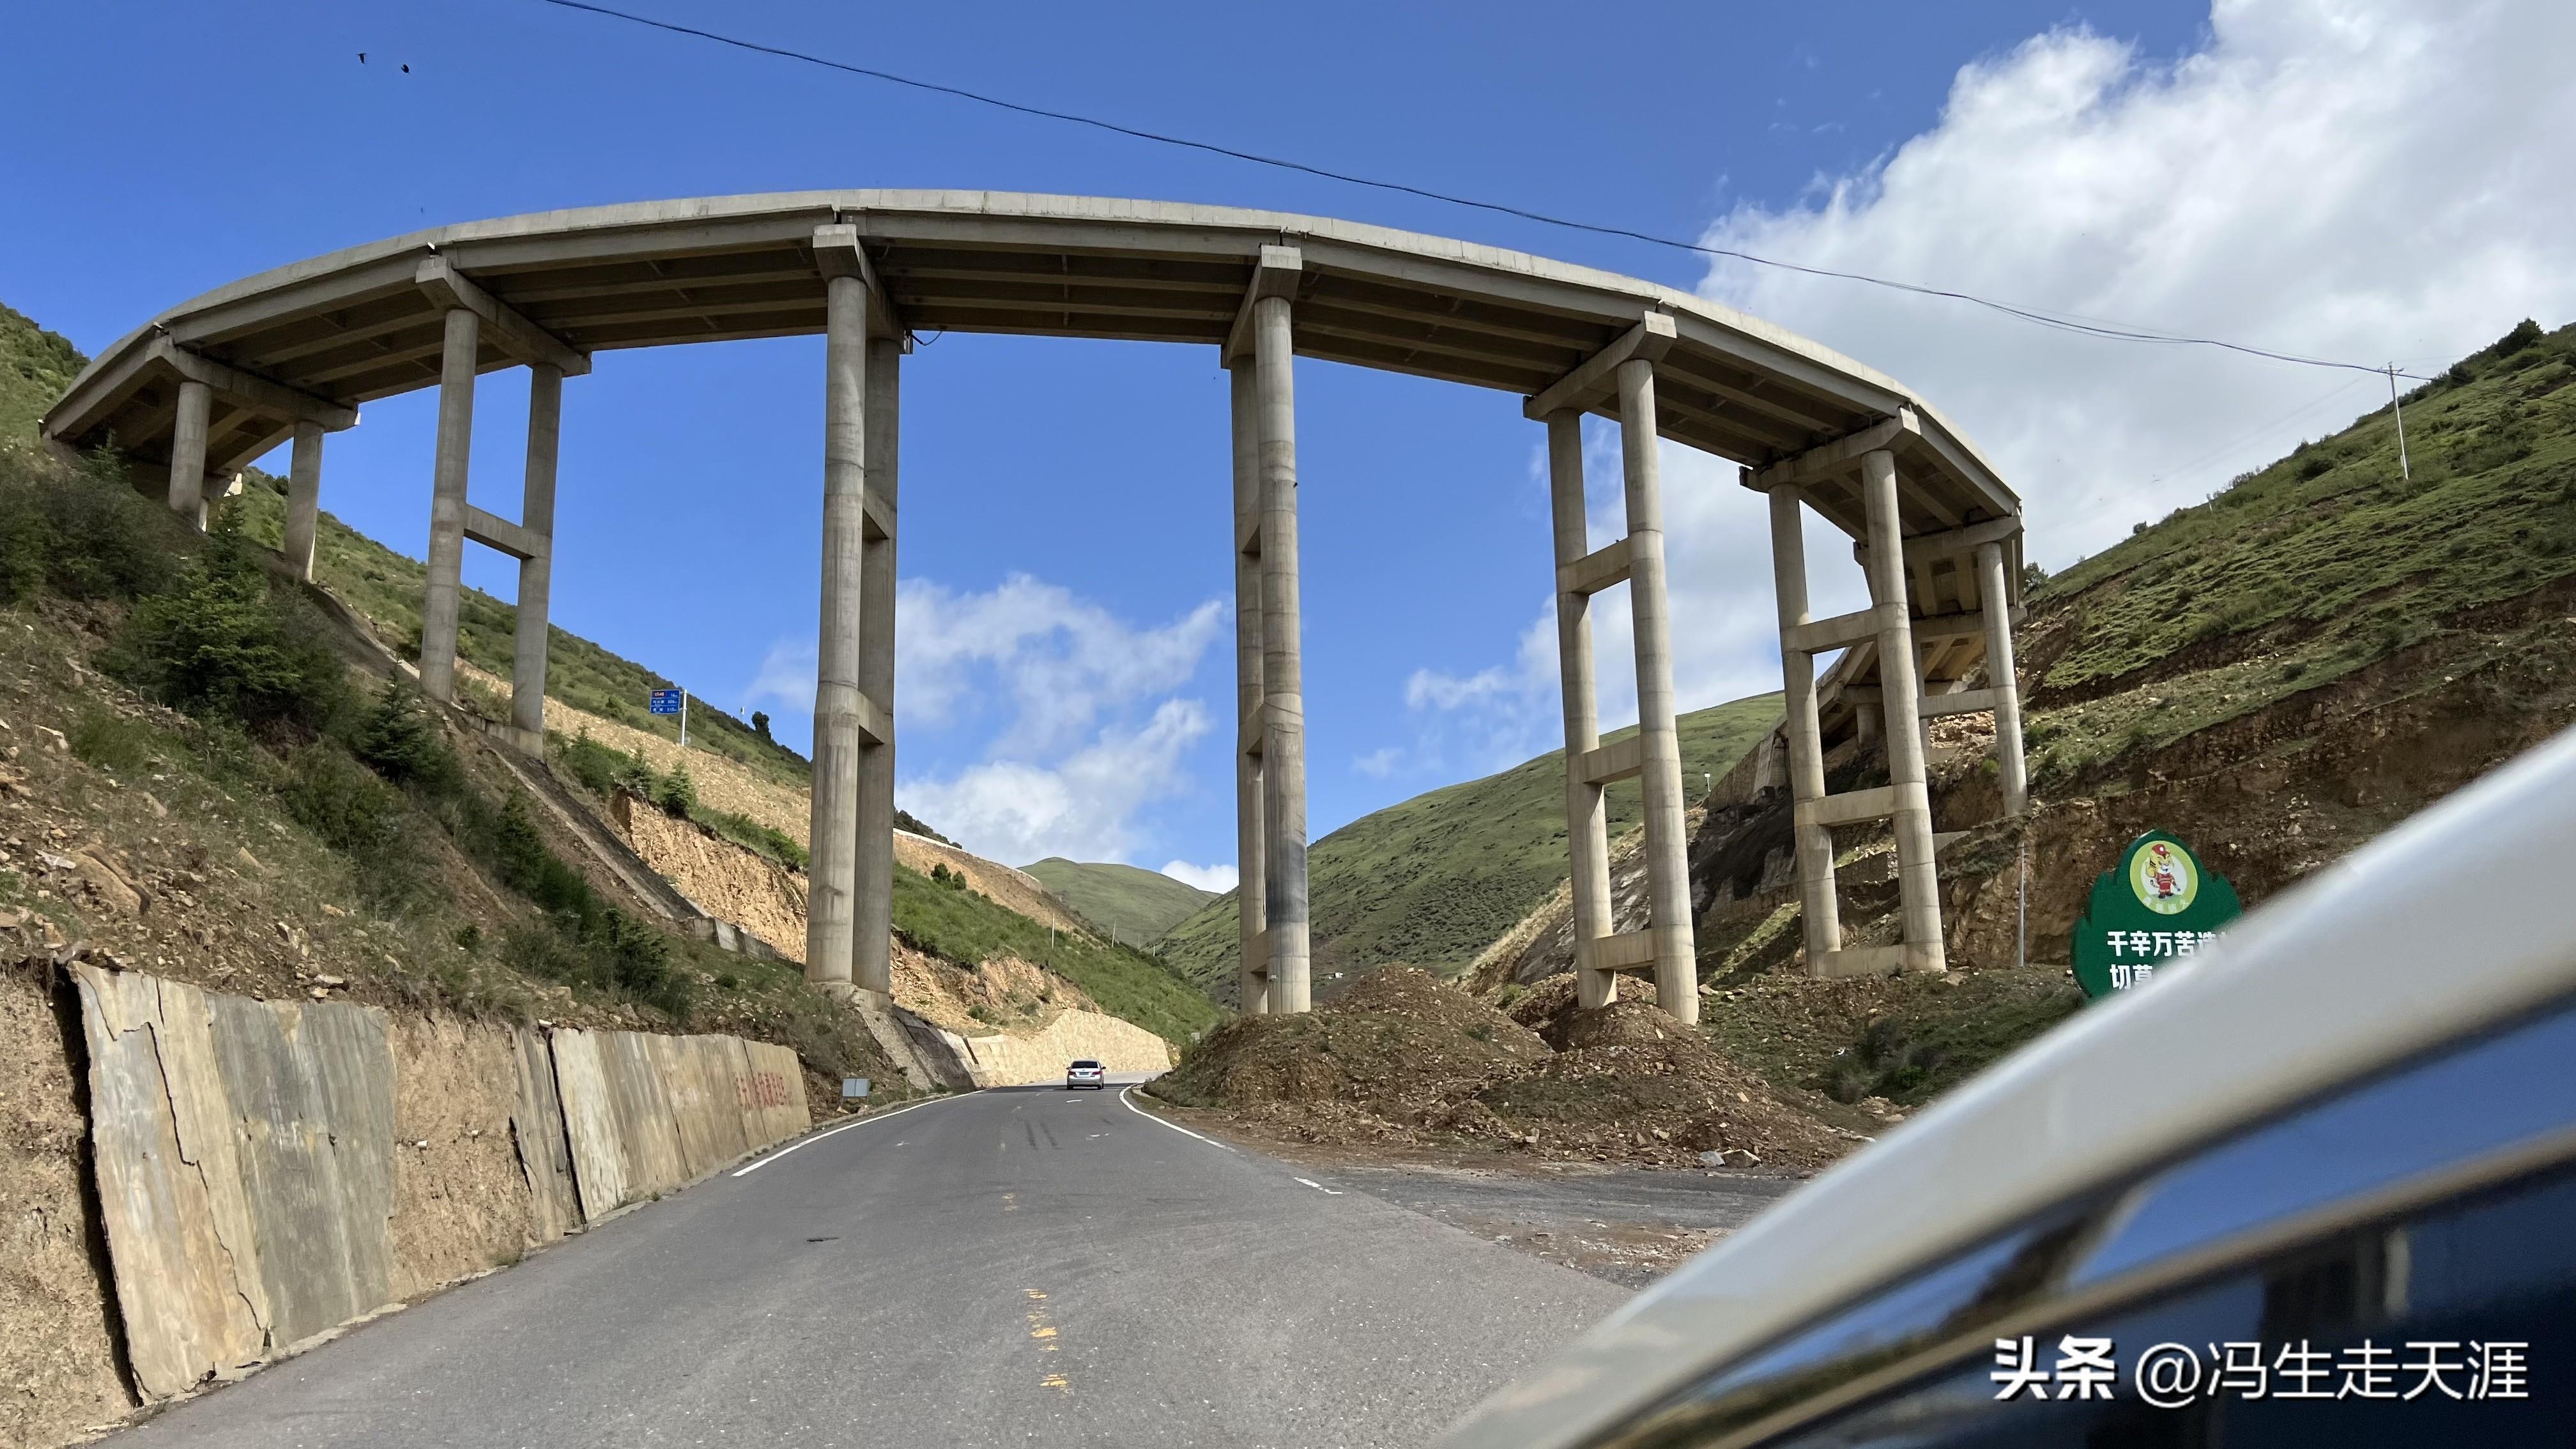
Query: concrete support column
{"type": "Point", "coordinates": [188, 453]}
{"type": "Point", "coordinates": [2011, 771]}
{"type": "Point", "coordinates": [1918, 884]}
{"type": "Point", "coordinates": [1818, 908]}
{"type": "Point", "coordinates": [536, 574]}
{"type": "Point", "coordinates": [1660, 775]}
{"type": "Point", "coordinates": [447, 504]}
{"type": "Point", "coordinates": [1587, 840]}
{"type": "Point", "coordinates": [304, 499]}
{"type": "Point", "coordinates": [830, 897]}
{"type": "Point", "coordinates": [1283, 744]}
{"type": "Point", "coordinates": [1251, 894]}
{"type": "Point", "coordinates": [873, 862]}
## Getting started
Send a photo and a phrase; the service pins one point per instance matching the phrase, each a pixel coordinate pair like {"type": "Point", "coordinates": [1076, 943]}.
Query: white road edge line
{"type": "Point", "coordinates": [1159, 1122]}
{"type": "Point", "coordinates": [836, 1131]}
{"type": "Point", "coordinates": [1319, 1187]}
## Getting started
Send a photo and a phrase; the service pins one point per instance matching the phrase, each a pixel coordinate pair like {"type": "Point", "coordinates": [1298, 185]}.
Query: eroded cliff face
{"type": "Point", "coordinates": [1007, 1021]}
{"type": "Point", "coordinates": [752, 891]}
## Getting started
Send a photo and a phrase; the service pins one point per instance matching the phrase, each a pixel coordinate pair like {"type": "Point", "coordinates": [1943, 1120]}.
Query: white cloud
{"type": "Point", "coordinates": [1378, 764]}
{"type": "Point", "coordinates": [1067, 764]}
{"type": "Point", "coordinates": [786, 676]}
{"type": "Point", "coordinates": [2352, 179]}
{"type": "Point", "coordinates": [1220, 877]}
{"type": "Point", "coordinates": [1064, 661]}
{"type": "Point", "coordinates": [2356, 179]}
{"type": "Point", "coordinates": [1081, 807]}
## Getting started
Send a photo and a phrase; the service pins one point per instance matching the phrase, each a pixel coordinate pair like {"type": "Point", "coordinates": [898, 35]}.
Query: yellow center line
{"type": "Point", "coordinates": [1043, 1331]}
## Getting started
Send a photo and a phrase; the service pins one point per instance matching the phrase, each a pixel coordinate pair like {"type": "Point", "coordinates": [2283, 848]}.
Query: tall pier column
{"type": "Point", "coordinates": [872, 866]}
{"type": "Point", "coordinates": [1283, 746]}
{"type": "Point", "coordinates": [1660, 756]}
{"type": "Point", "coordinates": [1251, 893]}
{"type": "Point", "coordinates": [188, 453]}
{"type": "Point", "coordinates": [830, 904]}
{"type": "Point", "coordinates": [1814, 842]}
{"type": "Point", "coordinates": [1587, 838]}
{"type": "Point", "coordinates": [447, 503]}
{"type": "Point", "coordinates": [303, 499]}
{"type": "Point", "coordinates": [2011, 770]}
{"type": "Point", "coordinates": [1918, 885]}
{"type": "Point", "coordinates": [536, 571]}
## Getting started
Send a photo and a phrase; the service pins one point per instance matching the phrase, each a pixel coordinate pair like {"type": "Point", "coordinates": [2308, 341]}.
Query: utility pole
{"type": "Point", "coordinates": [2405, 474]}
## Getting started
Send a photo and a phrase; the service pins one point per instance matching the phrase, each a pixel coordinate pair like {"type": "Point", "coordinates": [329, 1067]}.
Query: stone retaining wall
{"type": "Point", "coordinates": [268, 1171]}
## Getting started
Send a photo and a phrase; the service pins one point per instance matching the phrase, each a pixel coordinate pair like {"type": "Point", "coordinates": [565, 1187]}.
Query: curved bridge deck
{"type": "Point", "coordinates": [222, 379]}
{"type": "Point", "coordinates": [354, 325]}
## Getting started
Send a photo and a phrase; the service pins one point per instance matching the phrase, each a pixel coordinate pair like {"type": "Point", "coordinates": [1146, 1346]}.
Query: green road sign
{"type": "Point", "coordinates": [2159, 907]}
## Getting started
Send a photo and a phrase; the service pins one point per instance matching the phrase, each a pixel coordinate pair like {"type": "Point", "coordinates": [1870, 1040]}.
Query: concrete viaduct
{"type": "Point", "coordinates": [213, 383]}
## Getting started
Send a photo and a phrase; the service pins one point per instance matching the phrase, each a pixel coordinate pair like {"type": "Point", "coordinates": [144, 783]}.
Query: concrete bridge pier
{"type": "Point", "coordinates": [1659, 772]}
{"type": "Point", "coordinates": [188, 452]}
{"type": "Point", "coordinates": [1586, 821]}
{"type": "Point", "coordinates": [303, 498]}
{"type": "Point", "coordinates": [1853, 482]}
{"type": "Point", "coordinates": [1917, 880]}
{"type": "Point", "coordinates": [1620, 378]}
{"type": "Point", "coordinates": [831, 873]}
{"type": "Point", "coordinates": [1283, 743]}
{"type": "Point", "coordinates": [1251, 834]}
{"type": "Point", "coordinates": [536, 564]}
{"type": "Point", "coordinates": [872, 860]}
{"type": "Point", "coordinates": [1813, 841]}
{"type": "Point", "coordinates": [438, 611]}
{"type": "Point", "coordinates": [849, 905]}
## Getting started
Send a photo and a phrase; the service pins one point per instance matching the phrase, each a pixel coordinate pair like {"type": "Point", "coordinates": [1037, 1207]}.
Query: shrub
{"type": "Point", "coordinates": [595, 765]}
{"type": "Point", "coordinates": [675, 792]}
{"type": "Point", "coordinates": [81, 532]}
{"type": "Point", "coordinates": [223, 642]}
{"type": "Point", "coordinates": [404, 744]}
{"type": "Point", "coordinates": [760, 727]}
{"type": "Point", "coordinates": [349, 809]}
{"type": "Point", "coordinates": [111, 742]}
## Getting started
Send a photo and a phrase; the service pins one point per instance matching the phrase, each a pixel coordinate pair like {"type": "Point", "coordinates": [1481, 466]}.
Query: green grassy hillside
{"type": "Point", "coordinates": [955, 923]}
{"type": "Point", "coordinates": [2317, 566]}
{"type": "Point", "coordinates": [387, 587]}
{"type": "Point", "coordinates": [35, 367]}
{"type": "Point", "coordinates": [1434, 880]}
{"type": "Point", "coordinates": [1136, 903]}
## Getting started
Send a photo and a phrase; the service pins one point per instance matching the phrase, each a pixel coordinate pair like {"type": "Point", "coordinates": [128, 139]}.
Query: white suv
{"type": "Point", "coordinates": [1084, 1073]}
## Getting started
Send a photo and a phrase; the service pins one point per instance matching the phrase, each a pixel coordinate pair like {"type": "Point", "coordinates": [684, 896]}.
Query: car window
{"type": "Point", "coordinates": [2386, 1334]}
{"type": "Point", "coordinates": [2440, 1136]}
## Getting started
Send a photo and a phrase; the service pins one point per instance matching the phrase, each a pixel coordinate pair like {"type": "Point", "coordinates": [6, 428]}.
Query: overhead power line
{"type": "Point", "coordinates": [2063, 322]}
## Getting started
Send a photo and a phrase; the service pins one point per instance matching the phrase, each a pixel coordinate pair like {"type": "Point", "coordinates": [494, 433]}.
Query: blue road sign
{"type": "Point", "coordinates": [666, 701]}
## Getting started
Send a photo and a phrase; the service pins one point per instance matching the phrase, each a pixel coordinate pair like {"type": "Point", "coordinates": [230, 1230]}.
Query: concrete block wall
{"type": "Point", "coordinates": [263, 1173]}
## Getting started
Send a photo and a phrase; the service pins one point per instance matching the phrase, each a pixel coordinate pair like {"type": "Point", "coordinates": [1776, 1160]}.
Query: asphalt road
{"type": "Point", "coordinates": [1023, 1267]}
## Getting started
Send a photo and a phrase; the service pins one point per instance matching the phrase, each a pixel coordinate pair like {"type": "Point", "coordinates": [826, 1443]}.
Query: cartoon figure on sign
{"type": "Point", "coordinates": [2163, 879]}
{"type": "Point", "coordinates": [2160, 872]}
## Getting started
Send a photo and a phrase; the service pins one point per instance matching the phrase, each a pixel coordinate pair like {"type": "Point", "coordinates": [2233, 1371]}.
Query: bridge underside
{"type": "Point", "coordinates": [220, 380]}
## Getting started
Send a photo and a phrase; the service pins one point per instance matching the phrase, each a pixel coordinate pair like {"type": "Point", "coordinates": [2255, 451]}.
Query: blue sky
{"type": "Point", "coordinates": [1065, 503]}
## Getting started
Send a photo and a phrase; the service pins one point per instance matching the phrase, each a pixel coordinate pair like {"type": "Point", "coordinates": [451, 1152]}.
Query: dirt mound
{"type": "Point", "coordinates": [1399, 1043]}
{"type": "Point", "coordinates": [1634, 1084]}
{"type": "Point", "coordinates": [1404, 1060]}
{"type": "Point", "coordinates": [1545, 1007]}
